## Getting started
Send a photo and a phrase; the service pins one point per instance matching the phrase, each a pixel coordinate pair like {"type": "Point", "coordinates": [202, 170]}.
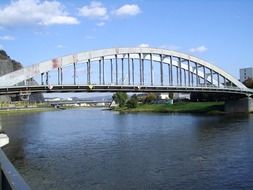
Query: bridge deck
{"type": "Point", "coordinates": [116, 88]}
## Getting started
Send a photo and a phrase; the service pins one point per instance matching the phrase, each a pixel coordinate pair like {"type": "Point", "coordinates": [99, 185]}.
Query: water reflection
{"type": "Point", "coordinates": [95, 149]}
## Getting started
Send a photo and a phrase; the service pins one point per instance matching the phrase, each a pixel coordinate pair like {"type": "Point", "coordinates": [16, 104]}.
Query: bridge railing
{"type": "Point", "coordinates": [10, 179]}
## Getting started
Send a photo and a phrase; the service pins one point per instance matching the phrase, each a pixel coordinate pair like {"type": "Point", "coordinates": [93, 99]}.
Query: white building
{"type": "Point", "coordinates": [246, 73]}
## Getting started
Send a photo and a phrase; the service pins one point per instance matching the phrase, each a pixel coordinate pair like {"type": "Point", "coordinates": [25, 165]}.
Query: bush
{"type": "Point", "coordinates": [132, 102]}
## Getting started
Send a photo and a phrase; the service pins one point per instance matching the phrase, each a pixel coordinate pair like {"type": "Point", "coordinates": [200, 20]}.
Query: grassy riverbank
{"type": "Point", "coordinates": [181, 107]}
{"type": "Point", "coordinates": [23, 107]}
{"type": "Point", "coordinates": [26, 110]}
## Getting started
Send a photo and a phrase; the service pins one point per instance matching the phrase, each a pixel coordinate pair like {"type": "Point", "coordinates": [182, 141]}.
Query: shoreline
{"type": "Point", "coordinates": [180, 107]}
{"type": "Point", "coordinates": [26, 110]}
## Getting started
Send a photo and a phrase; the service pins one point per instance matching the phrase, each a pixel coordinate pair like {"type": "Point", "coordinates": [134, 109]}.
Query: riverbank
{"type": "Point", "coordinates": [26, 110]}
{"type": "Point", "coordinates": [180, 107]}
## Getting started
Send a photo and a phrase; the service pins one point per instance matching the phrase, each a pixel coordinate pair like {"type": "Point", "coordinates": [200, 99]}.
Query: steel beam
{"type": "Point", "coordinates": [46, 78]}
{"type": "Point", "coordinates": [140, 69]}
{"type": "Point", "coordinates": [180, 71]}
{"type": "Point", "coordinates": [88, 72]}
{"type": "Point", "coordinates": [161, 69]}
{"type": "Point", "coordinates": [204, 71]}
{"type": "Point", "coordinates": [111, 71]}
{"type": "Point", "coordinates": [103, 69]}
{"type": "Point", "coordinates": [211, 73]}
{"type": "Point", "coordinates": [171, 71]}
{"type": "Point", "coordinates": [59, 75]}
{"type": "Point", "coordinates": [74, 64]}
{"type": "Point", "coordinates": [122, 71]}
{"type": "Point", "coordinates": [197, 74]}
{"type": "Point", "coordinates": [151, 70]}
{"type": "Point", "coordinates": [184, 77]}
{"type": "Point", "coordinates": [129, 72]}
{"type": "Point", "coordinates": [189, 73]}
{"type": "Point", "coordinates": [218, 79]}
{"type": "Point", "coordinates": [116, 61]}
{"type": "Point", "coordinates": [42, 78]}
{"type": "Point", "coordinates": [99, 71]}
{"type": "Point", "coordinates": [133, 71]}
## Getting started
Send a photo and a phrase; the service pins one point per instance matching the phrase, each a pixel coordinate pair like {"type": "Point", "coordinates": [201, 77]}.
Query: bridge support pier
{"type": "Point", "coordinates": [243, 105]}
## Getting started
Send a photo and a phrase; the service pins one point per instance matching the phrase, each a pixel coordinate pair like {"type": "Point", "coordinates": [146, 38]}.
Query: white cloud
{"type": "Point", "coordinates": [199, 49]}
{"type": "Point", "coordinates": [1, 46]}
{"type": "Point", "coordinates": [35, 12]}
{"type": "Point", "coordinates": [89, 37]}
{"type": "Point", "coordinates": [95, 10]}
{"type": "Point", "coordinates": [127, 10]}
{"type": "Point", "coordinates": [60, 46]}
{"type": "Point", "coordinates": [100, 23]}
{"type": "Point", "coordinates": [7, 38]}
{"type": "Point", "coordinates": [143, 45]}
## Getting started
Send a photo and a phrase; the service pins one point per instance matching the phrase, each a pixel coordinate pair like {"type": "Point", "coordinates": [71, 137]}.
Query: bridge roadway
{"type": "Point", "coordinates": [22, 90]}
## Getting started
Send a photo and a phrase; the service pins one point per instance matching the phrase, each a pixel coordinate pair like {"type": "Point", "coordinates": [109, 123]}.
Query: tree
{"type": "Point", "coordinates": [150, 98]}
{"type": "Point", "coordinates": [248, 83]}
{"type": "Point", "coordinates": [132, 102]}
{"type": "Point", "coordinates": [120, 98]}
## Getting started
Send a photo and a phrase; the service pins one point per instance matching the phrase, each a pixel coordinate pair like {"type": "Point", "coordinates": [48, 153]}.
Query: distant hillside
{"type": "Point", "coordinates": [8, 65]}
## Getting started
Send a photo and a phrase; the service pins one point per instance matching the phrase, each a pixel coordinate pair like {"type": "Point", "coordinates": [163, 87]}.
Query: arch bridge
{"type": "Point", "coordinates": [123, 69]}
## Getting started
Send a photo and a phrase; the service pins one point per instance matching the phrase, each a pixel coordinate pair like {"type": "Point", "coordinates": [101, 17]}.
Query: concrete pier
{"type": "Point", "coordinates": [243, 105]}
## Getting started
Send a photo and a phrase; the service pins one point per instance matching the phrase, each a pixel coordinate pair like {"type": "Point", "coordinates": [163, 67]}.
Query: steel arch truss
{"type": "Point", "coordinates": [140, 67]}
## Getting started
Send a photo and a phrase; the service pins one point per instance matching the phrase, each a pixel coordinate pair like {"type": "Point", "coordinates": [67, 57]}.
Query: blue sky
{"type": "Point", "coordinates": [219, 31]}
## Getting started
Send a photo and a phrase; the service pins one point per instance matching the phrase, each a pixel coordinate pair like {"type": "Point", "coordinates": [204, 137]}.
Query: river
{"type": "Point", "coordinates": [97, 149]}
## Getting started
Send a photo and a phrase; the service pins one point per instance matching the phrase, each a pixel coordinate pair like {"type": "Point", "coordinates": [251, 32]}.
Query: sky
{"type": "Point", "coordinates": [219, 31]}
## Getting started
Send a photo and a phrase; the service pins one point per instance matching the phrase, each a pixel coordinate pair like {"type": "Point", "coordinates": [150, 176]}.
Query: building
{"type": "Point", "coordinates": [246, 73]}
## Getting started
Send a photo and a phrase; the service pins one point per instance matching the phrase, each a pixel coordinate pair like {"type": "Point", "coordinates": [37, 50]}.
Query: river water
{"type": "Point", "coordinates": [96, 149]}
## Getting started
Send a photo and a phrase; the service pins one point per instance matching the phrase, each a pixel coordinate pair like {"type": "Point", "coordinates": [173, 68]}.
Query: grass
{"type": "Point", "coordinates": [182, 107]}
{"type": "Point", "coordinates": [26, 110]}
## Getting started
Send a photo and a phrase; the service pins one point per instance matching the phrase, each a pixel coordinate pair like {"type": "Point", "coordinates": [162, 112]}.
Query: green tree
{"type": "Point", "coordinates": [120, 98]}
{"type": "Point", "coordinates": [132, 102]}
{"type": "Point", "coordinates": [150, 98]}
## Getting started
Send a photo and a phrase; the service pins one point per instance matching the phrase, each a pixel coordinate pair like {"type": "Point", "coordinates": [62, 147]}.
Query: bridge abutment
{"type": "Point", "coordinates": [243, 105]}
